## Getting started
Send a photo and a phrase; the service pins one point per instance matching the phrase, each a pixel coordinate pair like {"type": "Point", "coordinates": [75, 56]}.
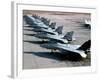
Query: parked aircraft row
{"type": "Point", "coordinates": [56, 40]}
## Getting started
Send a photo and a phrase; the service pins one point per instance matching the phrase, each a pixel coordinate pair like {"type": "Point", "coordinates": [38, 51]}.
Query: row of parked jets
{"type": "Point", "coordinates": [55, 39]}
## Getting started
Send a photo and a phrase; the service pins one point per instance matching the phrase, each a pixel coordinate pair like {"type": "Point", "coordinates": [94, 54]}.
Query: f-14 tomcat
{"type": "Point", "coordinates": [79, 50]}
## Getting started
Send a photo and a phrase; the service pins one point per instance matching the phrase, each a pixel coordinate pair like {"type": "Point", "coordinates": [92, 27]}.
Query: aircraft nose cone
{"type": "Point", "coordinates": [83, 55]}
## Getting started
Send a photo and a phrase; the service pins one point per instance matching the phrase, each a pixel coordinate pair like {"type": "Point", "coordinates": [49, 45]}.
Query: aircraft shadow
{"type": "Point", "coordinates": [36, 42]}
{"type": "Point", "coordinates": [30, 34]}
{"type": "Point", "coordinates": [57, 56]}
{"type": "Point", "coordinates": [28, 26]}
{"type": "Point", "coordinates": [28, 29]}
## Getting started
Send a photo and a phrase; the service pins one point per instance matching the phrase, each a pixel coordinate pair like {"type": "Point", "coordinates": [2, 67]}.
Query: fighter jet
{"type": "Point", "coordinates": [58, 38]}
{"type": "Point", "coordinates": [35, 23]}
{"type": "Point", "coordinates": [87, 24]}
{"type": "Point", "coordinates": [79, 50]}
{"type": "Point", "coordinates": [51, 31]}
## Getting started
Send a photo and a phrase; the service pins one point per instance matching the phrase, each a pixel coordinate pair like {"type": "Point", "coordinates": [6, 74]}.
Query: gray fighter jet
{"type": "Point", "coordinates": [58, 38]}
{"type": "Point", "coordinates": [87, 24]}
{"type": "Point", "coordinates": [35, 23]}
{"type": "Point", "coordinates": [80, 50]}
{"type": "Point", "coordinates": [51, 31]}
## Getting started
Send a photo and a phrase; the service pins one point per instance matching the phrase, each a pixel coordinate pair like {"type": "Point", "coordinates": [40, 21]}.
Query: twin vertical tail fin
{"type": "Point", "coordinates": [59, 29]}
{"type": "Point", "coordinates": [52, 25]}
{"type": "Point", "coordinates": [45, 21]}
{"type": "Point", "coordinates": [36, 16]}
{"type": "Point", "coordinates": [85, 46]}
{"type": "Point", "coordinates": [69, 36]}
